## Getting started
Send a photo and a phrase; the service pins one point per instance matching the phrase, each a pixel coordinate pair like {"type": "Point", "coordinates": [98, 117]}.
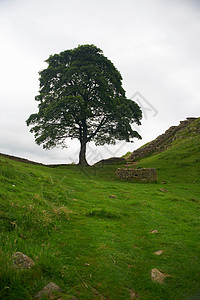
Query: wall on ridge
{"type": "Point", "coordinates": [162, 142]}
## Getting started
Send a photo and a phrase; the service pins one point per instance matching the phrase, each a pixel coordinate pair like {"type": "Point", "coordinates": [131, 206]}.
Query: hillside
{"type": "Point", "coordinates": [97, 237]}
{"type": "Point", "coordinates": [180, 160]}
{"type": "Point", "coordinates": [187, 128]}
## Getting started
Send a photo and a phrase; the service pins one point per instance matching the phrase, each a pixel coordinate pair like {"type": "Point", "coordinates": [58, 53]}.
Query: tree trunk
{"type": "Point", "coordinates": [82, 154]}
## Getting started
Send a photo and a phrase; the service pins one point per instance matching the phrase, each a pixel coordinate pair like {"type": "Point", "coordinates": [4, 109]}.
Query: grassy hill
{"type": "Point", "coordinates": [91, 233]}
{"type": "Point", "coordinates": [165, 140]}
{"type": "Point", "coordinates": [181, 161]}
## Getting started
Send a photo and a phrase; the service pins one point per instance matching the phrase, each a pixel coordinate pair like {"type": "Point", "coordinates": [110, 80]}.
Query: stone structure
{"type": "Point", "coordinates": [162, 142]}
{"type": "Point", "coordinates": [111, 161]}
{"type": "Point", "coordinates": [137, 175]}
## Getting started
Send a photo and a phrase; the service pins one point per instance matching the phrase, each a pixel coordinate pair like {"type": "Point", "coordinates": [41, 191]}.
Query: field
{"type": "Point", "coordinates": [91, 233]}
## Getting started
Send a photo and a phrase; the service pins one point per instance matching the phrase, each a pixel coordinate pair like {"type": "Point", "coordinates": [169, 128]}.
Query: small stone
{"type": "Point", "coordinates": [157, 276]}
{"type": "Point", "coordinates": [164, 190]}
{"type": "Point", "coordinates": [112, 196]}
{"type": "Point", "coordinates": [22, 261]}
{"type": "Point", "coordinates": [133, 294]}
{"type": "Point", "coordinates": [154, 231]}
{"type": "Point", "coordinates": [50, 287]}
{"type": "Point", "coordinates": [159, 252]}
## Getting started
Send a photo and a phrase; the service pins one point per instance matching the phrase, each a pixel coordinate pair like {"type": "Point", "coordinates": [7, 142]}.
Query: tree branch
{"type": "Point", "coordinates": [103, 121]}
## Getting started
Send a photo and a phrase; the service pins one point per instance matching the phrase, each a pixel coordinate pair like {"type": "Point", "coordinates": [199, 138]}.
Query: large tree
{"type": "Point", "coordinates": [81, 96]}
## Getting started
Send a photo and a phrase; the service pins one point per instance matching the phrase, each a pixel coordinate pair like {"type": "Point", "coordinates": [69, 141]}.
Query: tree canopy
{"type": "Point", "coordinates": [81, 96]}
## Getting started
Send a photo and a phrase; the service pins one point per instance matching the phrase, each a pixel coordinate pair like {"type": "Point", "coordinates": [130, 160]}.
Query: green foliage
{"type": "Point", "coordinates": [93, 245]}
{"type": "Point", "coordinates": [81, 96]}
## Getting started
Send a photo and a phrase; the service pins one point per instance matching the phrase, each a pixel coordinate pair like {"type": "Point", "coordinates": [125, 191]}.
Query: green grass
{"type": "Point", "coordinates": [97, 247]}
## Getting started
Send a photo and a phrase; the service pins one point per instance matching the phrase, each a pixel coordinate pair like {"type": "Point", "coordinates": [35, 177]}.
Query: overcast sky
{"type": "Point", "coordinates": [155, 44]}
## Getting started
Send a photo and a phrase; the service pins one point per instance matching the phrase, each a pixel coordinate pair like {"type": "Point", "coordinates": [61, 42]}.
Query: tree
{"type": "Point", "coordinates": [81, 96]}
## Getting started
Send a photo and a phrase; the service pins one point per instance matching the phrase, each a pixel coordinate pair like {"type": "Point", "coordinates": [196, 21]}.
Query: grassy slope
{"type": "Point", "coordinates": [92, 245]}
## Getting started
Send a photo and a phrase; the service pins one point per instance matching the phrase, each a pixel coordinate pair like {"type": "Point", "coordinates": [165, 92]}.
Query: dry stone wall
{"type": "Point", "coordinates": [111, 160]}
{"type": "Point", "coordinates": [137, 175]}
{"type": "Point", "coordinates": [162, 142]}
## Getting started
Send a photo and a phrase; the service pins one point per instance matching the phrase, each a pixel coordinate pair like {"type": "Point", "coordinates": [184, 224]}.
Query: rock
{"type": "Point", "coordinates": [22, 261]}
{"type": "Point", "coordinates": [157, 276]}
{"type": "Point", "coordinates": [133, 294]}
{"type": "Point", "coordinates": [159, 252]}
{"type": "Point", "coordinates": [47, 290]}
{"type": "Point", "coordinates": [154, 231]}
{"type": "Point", "coordinates": [164, 190]}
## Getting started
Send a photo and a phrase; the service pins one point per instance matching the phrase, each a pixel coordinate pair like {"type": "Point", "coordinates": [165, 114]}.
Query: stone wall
{"type": "Point", "coordinates": [162, 142]}
{"type": "Point", "coordinates": [137, 175]}
{"type": "Point", "coordinates": [24, 160]}
{"type": "Point", "coordinates": [111, 161]}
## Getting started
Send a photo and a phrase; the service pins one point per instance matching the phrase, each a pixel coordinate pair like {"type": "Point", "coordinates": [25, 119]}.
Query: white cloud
{"type": "Point", "coordinates": [154, 44]}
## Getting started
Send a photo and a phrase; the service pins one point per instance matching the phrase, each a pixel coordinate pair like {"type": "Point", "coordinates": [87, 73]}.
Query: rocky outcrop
{"type": "Point", "coordinates": [163, 141]}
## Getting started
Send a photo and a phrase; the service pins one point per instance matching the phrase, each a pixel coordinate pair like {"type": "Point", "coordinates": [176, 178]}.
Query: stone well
{"type": "Point", "coordinates": [137, 175]}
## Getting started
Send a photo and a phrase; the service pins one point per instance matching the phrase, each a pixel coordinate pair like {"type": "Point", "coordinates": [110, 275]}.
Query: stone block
{"type": "Point", "coordinates": [137, 175]}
